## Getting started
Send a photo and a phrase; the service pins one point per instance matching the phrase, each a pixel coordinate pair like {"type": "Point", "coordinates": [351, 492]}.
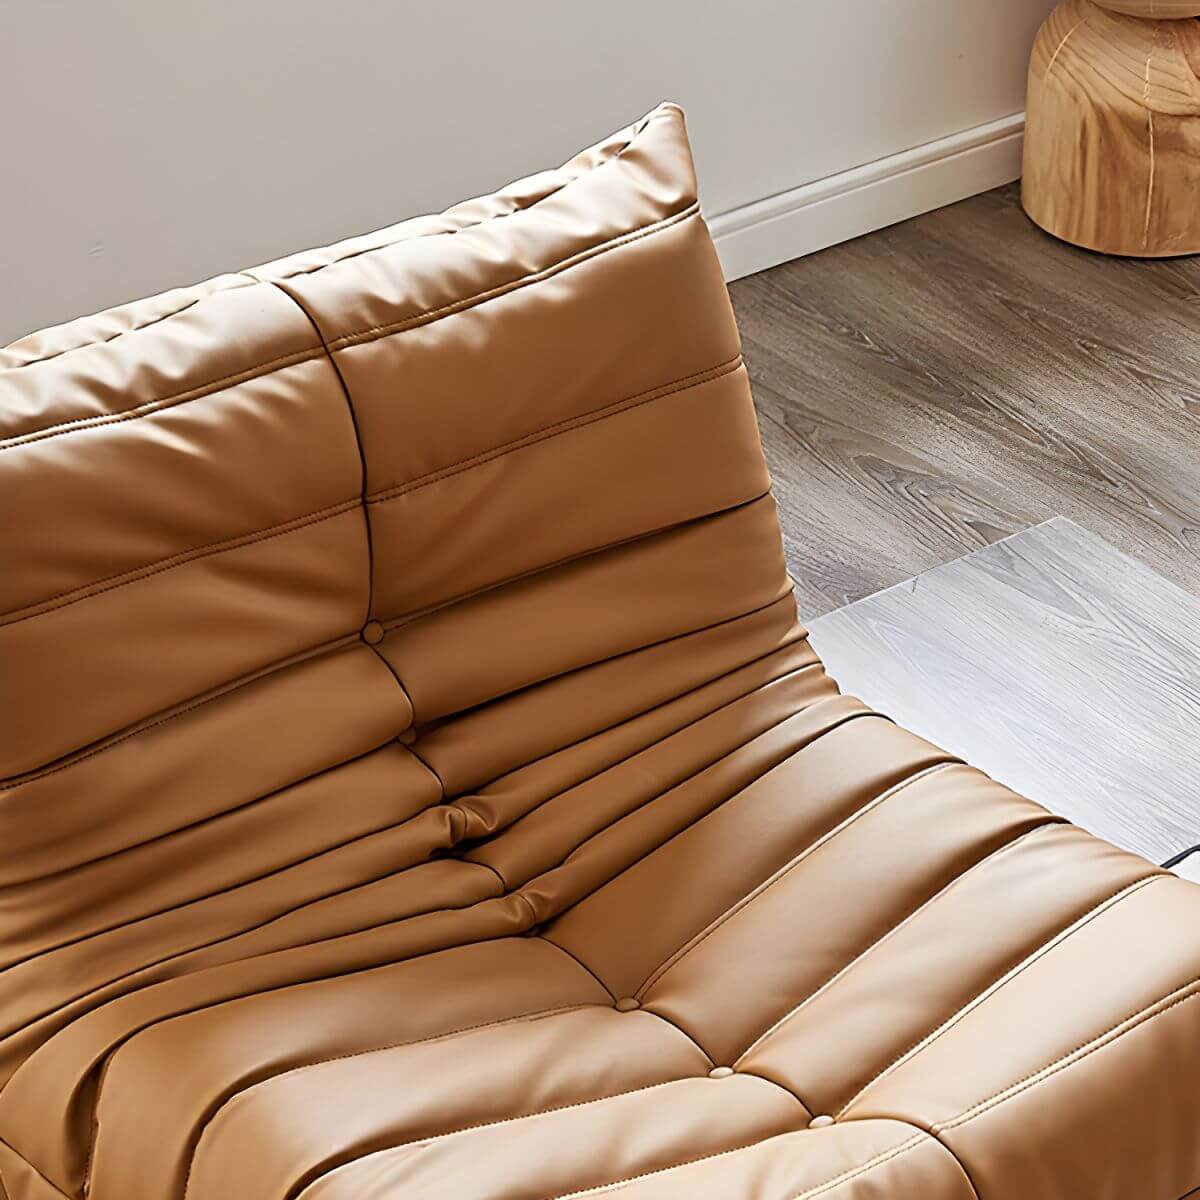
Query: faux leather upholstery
{"type": "Point", "coordinates": [418, 785]}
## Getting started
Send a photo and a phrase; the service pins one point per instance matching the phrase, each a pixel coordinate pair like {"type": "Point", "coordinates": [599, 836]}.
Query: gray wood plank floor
{"type": "Point", "coordinates": [930, 388]}
{"type": "Point", "coordinates": [1060, 666]}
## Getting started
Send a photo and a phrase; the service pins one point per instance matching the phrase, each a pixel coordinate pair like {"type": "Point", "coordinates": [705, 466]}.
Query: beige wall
{"type": "Point", "coordinates": [149, 143]}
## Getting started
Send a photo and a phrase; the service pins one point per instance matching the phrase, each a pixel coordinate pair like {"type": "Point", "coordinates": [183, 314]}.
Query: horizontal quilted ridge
{"type": "Point", "coordinates": [417, 782]}
{"type": "Point", "coordinates": [183, 475]}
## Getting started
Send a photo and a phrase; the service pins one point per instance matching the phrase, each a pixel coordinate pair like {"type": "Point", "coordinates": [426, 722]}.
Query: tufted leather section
{"type": "Point", "coordinates": [417, 783]}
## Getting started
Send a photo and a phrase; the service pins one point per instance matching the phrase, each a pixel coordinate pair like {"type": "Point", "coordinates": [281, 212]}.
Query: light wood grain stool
{"type": "Point", "coordinates": [1112, 138]}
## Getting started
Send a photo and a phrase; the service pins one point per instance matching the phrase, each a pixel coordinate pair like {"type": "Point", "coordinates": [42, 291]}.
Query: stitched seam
{"type": "Point", "coordinates": [255, 928]}
{"type": "Point", "coordinates": [954, 1158]}
{"type": "Point", "coordinates": [94, 1127]}
{"type": "Point", "coordinates": [437, 778]}
{"type": "Point", "coordinates": [844, 719]}
{"type": "Point", "coordinates": [197, 392]}
{"type": "Point", "coordinates": [112, 337]}
{"type": "Point", "coordinates": [878, 1161]}
{"type": "Point", "coordinates": [352, 413]}
{"type": "Point", "coordinates": [536, 1014]}
{"type": "Point", "coordinates": [371, 333]}
{"type": "Point", "coordinates": [571, 855]}
{"type": "Point", "coordinates": [854, 716]}
{"type": "Point", "coordinates": [240, 806]}
{"type": "Point", "coordinates": [250, 881]}
{"type": "Point", "coordinates": [14, 782]}
{"type": "Point", "coordinates": [657, 1016]}
{"type": "Point", "coordinates": [1113, 1033]}
{"type": "Point", "coordinates": [809, 1111]}
{"type": "Point", "coordinates": [481, 789]}
{"type": "Point", "coordinates": [258, 927]}
{"type": "Point", "coordinates": [412, 708]}
{"type": "Point", "coordinates": [755, 690]}
{"type": "Point", "coordinates": [418, 820]}
{"type": "Point", "coordinates": [483, 786]}
{"type": "Point", "coordinates": [996, 985]}
{"type": "Point", "coordinates": [421, 1143]}
{"type": "Point", "coordinates": [940, 894]}
{"type": "Point", "coordinates": [374, 332]}
{"type": "Point", "coordinates": [602, 1188]}
{"type": "Point", "coordinates": [750, 896]}
{"type": "Point", "coordinates": [544, 1112]}
{"type": "Point", "coordinates": [340, 643]}
{"type": "Point", "coordinates": [234, 1100]}
{"type": "Point", "coordinates": [368, 533]}
{"type": "Point", "coordinates": [196, 554]}
{"type": "Point", "coordinates": [504, 892]}
{"type": "Point", "coordinates": [641, 714]}
{"type": "Point", "coordinates": [49, 1183]}
{"type": "Point", "coordinates": [580, 421]}
{"type": "Point", "coordinates": [683, 1033]}
{"type": "Point", "coordinates": [272, 988]}
{"type": "Point", "coordinates": [393, 623]}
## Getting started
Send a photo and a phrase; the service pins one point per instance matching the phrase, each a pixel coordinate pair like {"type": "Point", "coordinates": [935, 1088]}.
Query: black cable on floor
{"type": "Point", "coordinates": [1176, 859]}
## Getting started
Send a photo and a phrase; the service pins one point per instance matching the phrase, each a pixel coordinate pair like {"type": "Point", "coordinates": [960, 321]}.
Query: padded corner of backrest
{"type": "Point", "coordinates": [181, 484]}
{"type": "Point", "coordinates": [542, 374]}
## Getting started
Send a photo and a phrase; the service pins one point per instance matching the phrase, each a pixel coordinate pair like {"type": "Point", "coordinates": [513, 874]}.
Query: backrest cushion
{"type": "Point", "coordinates": [168, 495]}
{"type": "Point", "coordinates": [537, 392]}
{"type": "Point", "coordinates": [297, 560]}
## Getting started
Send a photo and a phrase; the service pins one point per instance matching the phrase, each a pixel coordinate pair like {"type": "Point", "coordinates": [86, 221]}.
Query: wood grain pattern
{"type": "Point", "coordinates": [1058, 665]}
{"type": "Point", "coordinates": [1176, 9]}
{"type": "Point", "coordinates": [1112, 135]}
{"type": "Point", "coordinates": [935, 386]}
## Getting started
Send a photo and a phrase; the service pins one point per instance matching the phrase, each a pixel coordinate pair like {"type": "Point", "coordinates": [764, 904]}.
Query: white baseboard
{"type": "Point", "coordinates": [843, 206]}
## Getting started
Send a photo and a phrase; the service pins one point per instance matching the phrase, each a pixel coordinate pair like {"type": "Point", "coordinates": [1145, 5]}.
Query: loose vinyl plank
{"type": "Point", "coordinates": [1055, 663]}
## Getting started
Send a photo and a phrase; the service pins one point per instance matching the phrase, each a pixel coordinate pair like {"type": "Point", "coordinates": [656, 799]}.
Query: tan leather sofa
{"type": "Point", "coordinates": [417, 783]}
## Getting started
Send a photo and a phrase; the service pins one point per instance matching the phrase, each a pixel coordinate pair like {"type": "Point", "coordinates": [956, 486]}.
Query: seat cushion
{"type": "Point", "coordinates": [870, 934]}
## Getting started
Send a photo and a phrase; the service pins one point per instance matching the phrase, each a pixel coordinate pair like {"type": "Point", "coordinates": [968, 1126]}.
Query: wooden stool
{"type": "Point", "coordinates": [1112, 137]}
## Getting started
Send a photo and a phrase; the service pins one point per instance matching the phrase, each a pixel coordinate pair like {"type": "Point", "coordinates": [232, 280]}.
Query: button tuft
{"type": "Point", "coordinates": [372, 633]}
{"type": "Point", "coordinates": [627, 1004]}
{"type": "Point", "coordinates": [720, 1073]}
{"type": "Point", "coordinates": [821, 1122]}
